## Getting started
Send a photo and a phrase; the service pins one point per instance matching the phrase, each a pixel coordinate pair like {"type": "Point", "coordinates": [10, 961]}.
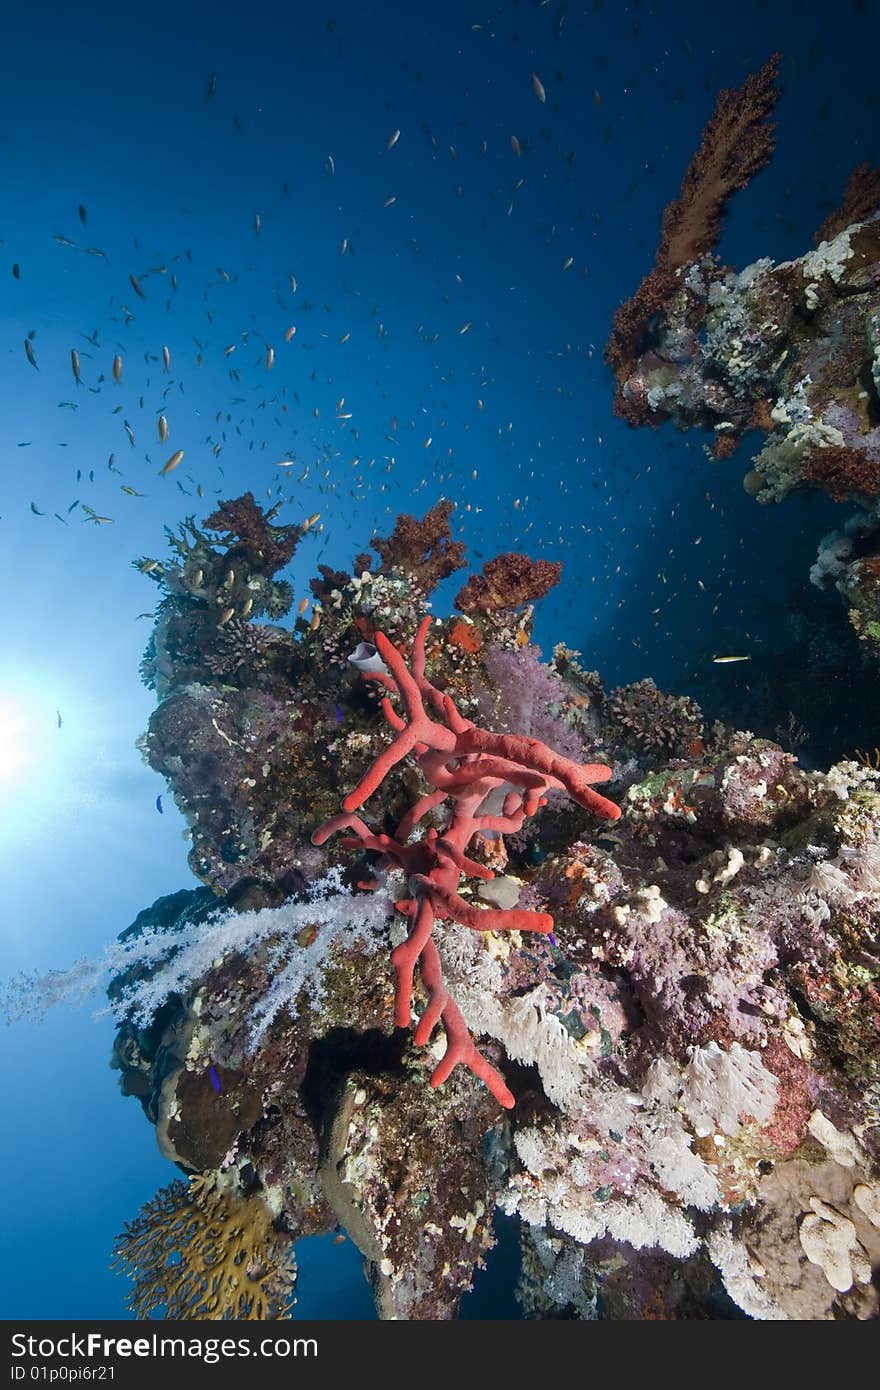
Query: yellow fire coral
{"type": "Point", "coordinates": [202, 1250]}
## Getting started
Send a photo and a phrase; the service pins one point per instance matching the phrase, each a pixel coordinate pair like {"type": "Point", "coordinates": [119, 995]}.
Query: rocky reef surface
{"type": "Point", "coordinates": [791, 350]}
{"type": "Point", "coordinates": [691, 1051]}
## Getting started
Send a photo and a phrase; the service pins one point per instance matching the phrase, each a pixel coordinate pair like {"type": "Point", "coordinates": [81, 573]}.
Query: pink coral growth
{"type": "Point", "coordinates": [474, 769]}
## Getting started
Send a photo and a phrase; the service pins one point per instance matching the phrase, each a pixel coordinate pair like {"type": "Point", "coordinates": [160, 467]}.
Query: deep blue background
{"type": "Point", "coordinates": [107, 106]}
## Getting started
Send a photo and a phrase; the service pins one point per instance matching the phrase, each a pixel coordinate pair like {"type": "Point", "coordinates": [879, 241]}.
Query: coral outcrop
{"type": "Point", "coordinates": [789, 349]}
{"type": "Point", "coordinates": [690, 1039]}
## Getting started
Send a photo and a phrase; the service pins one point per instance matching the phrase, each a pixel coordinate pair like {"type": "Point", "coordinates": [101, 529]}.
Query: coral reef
{"type": "Point", "coordinates": [791, 350]}
{"type": "Point", "coordinates": [736, 143]}
{"type": "Point", "coordinates": [683, 1001]}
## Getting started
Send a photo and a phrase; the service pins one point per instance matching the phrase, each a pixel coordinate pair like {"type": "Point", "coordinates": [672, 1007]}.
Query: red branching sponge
{"type": "Point", "coordinates": [493, 781]}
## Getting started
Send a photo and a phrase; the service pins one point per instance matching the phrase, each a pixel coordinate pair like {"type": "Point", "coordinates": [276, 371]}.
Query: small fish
{"type": "Point", "coordinates": [515, 146]}
{"type": "Point", "coordinates": [82, 214]}
{"type": "Point", "coordinates": [136, 286]}
{"type": "Point", "coordinates": [392, 139]}
{"type": "Point", "coordinates": [64, 241]}
{"type": "Point", "coordinates": [339, 716]}
{"type": "Point", "coordinates": [292, 279]}
{"type": "Point", "coordinates": [74, 362]}
{"type": "Point", "coordinates": [225, 616]}
{"type": "Point", "coordinates": [96, 251]}
{"type": "Point", "coordinates": [538, 87]}
{"type": "Point", "coordinates": [289, 333]}
{"type": "Point", "coordinates": [29, 353]}
{"type": "Point", "coordinates": [728, 660]}
{"type": "Point", "coordinates": [129, 431]}
{"type": "Point", "coordinates": [246, 607]}
{"type": "Point", "coordinates": [144, 615]}
{"type": "Point", "coordinates": [36, 511]}
{"type": "Point", "coordinates": [162, 425]}
{"type": "Point", "coordinates": [310, 521]}
{"type": "Point", "coordinates": [117, 368]}
{"type": "Point", "coordinates": [172, 463]}
{"type": "Point", "coordinates": [464, 328]}
{"type": "Point", "coordinates": [257, 223]}
{"type": "Point", "coordinates": [131, 492]}
{"type": "Point", "coordinates": [58, 717]}
{"type": "Point", "coordinates": [159, 804]}
{"type": "Point", "coordinates": [148, 565]}
{"type": "Point", "coordinates": [270, 358]}
{"type": "Point", "coordinates": [568, 263]}
{"type": "Point", "coordinates": [212, 86]}
{"type": "Point", "coordinates": [16, 271]}
{"type": "Point", "coordinates": [303, 605]}
{"type": "Point", "coordinates": [166, 358]}
{"type": "Point", "coordinates": [215, 1080]}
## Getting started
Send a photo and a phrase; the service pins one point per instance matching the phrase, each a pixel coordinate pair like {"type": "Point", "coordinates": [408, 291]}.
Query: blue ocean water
{"type": "Point", "coordinates": [233, 150]}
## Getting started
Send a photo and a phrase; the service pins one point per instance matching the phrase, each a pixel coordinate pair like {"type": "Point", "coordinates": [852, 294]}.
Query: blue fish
{"type": "Point", "coordinates": [215, 1080]}
{"type": "Point", "coordinates": [551, 938]}
{"type": "Point", "coordinates": [338, 714]}
{"type": "Point", "coordinates": [159, 804]}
